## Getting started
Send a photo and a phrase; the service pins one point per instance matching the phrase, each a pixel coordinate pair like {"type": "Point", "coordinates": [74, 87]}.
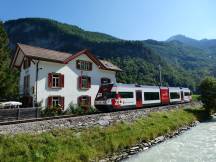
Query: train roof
{"type": "Point", "coordinates": [148, 86]}
{"type": "Point", "coordinates": [133, 85]}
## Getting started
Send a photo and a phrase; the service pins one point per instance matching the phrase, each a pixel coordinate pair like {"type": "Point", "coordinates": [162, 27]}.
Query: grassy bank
{"type": "Point", "coordinates": [195, 97]}
{"type": "Point", "coordinates": [83, 145]}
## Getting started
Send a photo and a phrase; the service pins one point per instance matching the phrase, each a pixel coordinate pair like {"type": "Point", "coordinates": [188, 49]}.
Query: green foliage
{"type": "Point", "coordinates": [77, 110]}
{"type": "Point", "coordinates": [208, 94]}
{"type": "Point", "coordinates": [196, 97]}
{"type": "Point", "coordinates": [52, 111]}
{"type": "Point", "coordinates": [93, 143]}
{"type": "Point", "coordinates": [8, 79]}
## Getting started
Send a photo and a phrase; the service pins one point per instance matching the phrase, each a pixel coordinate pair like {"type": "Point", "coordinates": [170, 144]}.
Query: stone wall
{"type": "Point", "coordinates": [103, 119]}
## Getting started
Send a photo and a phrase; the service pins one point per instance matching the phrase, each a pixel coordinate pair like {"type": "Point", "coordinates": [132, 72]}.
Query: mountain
{"type": "Point", "coordinates": [208, 44]}
{"type": "Point", "coordinates": [182, 64]}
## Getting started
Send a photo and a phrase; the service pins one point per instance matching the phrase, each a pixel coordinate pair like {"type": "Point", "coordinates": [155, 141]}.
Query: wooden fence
{"type": "Point", "coordinates": [19, 113]}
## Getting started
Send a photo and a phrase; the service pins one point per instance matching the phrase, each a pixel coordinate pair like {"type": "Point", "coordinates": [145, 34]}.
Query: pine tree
{"type": "Point", "coordinates": [8, 77]}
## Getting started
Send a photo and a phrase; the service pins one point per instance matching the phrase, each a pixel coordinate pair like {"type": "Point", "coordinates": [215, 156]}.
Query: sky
{"type": "Point", "coordinates": [125, 19]}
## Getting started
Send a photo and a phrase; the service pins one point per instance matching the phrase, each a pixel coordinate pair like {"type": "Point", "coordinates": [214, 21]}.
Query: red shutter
{"type": "Point", "coordinates": [90, 66]}
{"type": "Point", "coordinates": [78, 64]}
{"type": "Point", "coordinates": [62, 102]}
{"type": "Point", "coordinates": [50, 80]}
{"type": "Point", "coordinates": [89, 82]}
{"type": "Point", "coordinates": [62, 80]}
{"type": "Point", "coordinates": [80, 82]}
{"type": "Point", "coordinates": [49, 102]}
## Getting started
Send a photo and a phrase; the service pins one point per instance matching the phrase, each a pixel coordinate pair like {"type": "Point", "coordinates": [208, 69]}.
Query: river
{"type": "Point", "coordinates": [195, 145]}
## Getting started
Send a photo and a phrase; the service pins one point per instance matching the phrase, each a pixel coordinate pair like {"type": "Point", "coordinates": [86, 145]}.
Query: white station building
{"type": "Point", "coordinates": [51, 78]}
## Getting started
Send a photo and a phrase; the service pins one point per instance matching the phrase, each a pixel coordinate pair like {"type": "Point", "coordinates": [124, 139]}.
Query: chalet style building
{"type": "Point", "coordinates": [52, 78]}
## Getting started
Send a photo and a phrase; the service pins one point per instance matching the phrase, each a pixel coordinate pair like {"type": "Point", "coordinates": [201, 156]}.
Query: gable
{"type": "Point", "coordinates": [37, 53]}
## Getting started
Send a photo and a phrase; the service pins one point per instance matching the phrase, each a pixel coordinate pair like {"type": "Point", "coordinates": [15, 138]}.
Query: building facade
{"type": "Point", "coordinates": [52, 78]}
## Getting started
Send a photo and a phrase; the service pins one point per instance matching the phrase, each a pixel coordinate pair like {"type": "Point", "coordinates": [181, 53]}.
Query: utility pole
{"type": "Point", "coordinates": [160, 77]}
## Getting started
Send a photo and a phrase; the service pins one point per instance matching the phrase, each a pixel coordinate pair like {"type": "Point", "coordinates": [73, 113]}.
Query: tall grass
{"type": "Point", "coordinates": [93, 143]}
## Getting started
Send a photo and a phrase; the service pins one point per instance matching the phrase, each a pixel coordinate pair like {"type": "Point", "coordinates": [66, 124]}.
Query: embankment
{"type": "Point", "coordinates": [93, 143]}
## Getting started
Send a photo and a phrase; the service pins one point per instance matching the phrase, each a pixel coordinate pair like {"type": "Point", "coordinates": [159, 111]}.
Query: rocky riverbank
{"type": "Point", "coordinates": [145, 145]}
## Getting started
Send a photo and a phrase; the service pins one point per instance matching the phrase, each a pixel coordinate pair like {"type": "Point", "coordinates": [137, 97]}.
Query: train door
{"type": "Point", "coordinates": [182, 96]}
{"type": "Point", "coordinates": [164, 93]}
{"type": "Point", "coordinates": [138, 99]}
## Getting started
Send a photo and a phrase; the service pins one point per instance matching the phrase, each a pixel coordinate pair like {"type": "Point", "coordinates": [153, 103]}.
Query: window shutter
{"type": "Point", "coordinates": [78, 64]}
{"type": "Point", "coordinates": [89, 82]}
{"type": "Point", "coordinates": [80, 82]}
{"type": "Point", "coordinates": [49, 102]}
{"type": "Point", "coordinates": [50, 80]}
{"type": "Point", "coordinates": [62, 80]}
{"type": "Point", "coordinates": [90, 66]}
{"type": "Point", "coordinates": [62, 102]}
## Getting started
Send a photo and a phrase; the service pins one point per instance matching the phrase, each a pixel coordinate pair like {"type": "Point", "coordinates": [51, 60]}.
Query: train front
{"type": "Point", "coordinates": [106, 95]}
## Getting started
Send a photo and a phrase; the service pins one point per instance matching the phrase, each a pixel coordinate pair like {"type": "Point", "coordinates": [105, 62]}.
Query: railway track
{"type": "Point", "coordinates": [71, 116]}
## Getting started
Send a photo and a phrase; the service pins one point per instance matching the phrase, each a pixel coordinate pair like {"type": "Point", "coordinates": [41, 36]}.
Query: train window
{"type": "Point", "coordinates": [151, 96]}
{"type": "Point", "coordinates": [126, 94]}
{"type": "Point", "coordinates": [174, 95]}
{"type": "Point", "coordinates": [105, 95]}
{"type": "Point", "coordinates": [187, 93]}
{"type": "Point", "coordinates": [105, 81]}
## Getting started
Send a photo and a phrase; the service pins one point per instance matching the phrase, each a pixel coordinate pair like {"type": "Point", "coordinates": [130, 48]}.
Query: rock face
{"type": "Point", "coordinates": [102, 120]}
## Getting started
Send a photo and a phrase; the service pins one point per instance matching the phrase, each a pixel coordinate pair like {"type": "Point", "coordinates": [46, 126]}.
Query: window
{"type": "Point", "coordinates": [187, 94]}
{"type": "Point", "coordinates": [26, 63]}
{"type": "Point", "coordinates": [126, 94]}
{"type": "Point", "coordinates": [151, 96]}
{"type": "Point", "coordinates": [56, 101]}
{"type": "Point", "coordinates": [84, 101]}
{"type": "Point", "coordinates": [84, 82]}
{"type": "Point", "coordinates": [84, 65]}
{"type": "Point", "coordinates": [55, 80]}
{"type": "Point", "coordinates": [105, 81]}
{"type": "Point", "coordinates": [26, 84]}
{"type": "Point", "coordinates": [174, 95]}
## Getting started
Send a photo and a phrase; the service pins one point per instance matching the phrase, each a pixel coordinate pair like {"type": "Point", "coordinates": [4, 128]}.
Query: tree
{"type": "Point", "coordinates": [8, 77]}
{"type": "Point", "coordinates": [208, 94]}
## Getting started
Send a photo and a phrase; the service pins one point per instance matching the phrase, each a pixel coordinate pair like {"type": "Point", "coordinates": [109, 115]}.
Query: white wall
{"type": "Point", "coordinates": [70, 91]}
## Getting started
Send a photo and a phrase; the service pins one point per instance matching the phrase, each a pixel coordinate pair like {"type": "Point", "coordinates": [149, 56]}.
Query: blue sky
{"type": "Point", "coordinates": [126, 19]}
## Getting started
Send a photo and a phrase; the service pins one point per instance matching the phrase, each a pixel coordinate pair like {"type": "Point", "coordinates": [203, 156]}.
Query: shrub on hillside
{"type": "Point", "coordinates": [208, 94]}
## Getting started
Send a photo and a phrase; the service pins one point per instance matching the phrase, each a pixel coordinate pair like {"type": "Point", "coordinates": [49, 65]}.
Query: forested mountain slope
{"type": "Point", "coordinates": [182, 65]}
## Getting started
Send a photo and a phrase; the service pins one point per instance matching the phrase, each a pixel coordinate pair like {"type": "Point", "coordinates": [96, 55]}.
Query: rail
{"type": "Point", "coordinates": [19, 117]}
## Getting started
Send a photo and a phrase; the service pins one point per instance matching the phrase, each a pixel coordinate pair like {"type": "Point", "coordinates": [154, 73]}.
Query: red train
{"type": "Point", "coordinates": [127, 96]}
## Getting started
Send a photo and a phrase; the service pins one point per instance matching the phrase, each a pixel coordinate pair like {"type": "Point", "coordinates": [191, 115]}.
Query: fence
{"type": "Point", "coordinates": [19, 113]}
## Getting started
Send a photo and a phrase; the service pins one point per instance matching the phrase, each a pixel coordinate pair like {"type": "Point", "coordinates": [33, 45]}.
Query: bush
{"type": "Point", "coordinates": [77, 110]}
{"type": "Point", "coordinates": [52, 111]}
{"type": "Point", "coordinates": [208, 94]}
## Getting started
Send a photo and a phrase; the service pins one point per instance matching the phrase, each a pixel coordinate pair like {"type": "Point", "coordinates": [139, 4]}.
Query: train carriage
{"type": "Point", "coordinates": [175, 95]}
{"type": "Point", "coordinates": [186, 95]}
{"type": "Point", "coordinates": [128, 96]}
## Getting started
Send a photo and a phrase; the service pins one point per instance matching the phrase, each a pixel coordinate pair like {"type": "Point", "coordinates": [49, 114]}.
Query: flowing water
{"type": "Point", "coordinates": [195, 145]}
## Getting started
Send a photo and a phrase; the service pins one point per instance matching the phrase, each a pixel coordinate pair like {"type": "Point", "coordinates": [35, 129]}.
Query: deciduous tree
{"type": "Point", "coordinates": [208, 94]}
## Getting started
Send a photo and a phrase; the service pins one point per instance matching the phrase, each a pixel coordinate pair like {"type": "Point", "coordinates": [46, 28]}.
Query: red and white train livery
{"type": "Point", "coordinates": [126, 96]}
